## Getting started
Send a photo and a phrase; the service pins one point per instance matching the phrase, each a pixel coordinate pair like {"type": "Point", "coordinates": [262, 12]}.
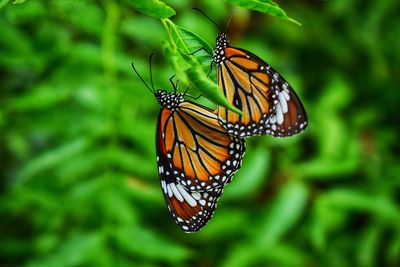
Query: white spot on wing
{"type": "Point", "coordinates": [163, 186]}
{"type": "Point", "coordinates": [161, 169]}
{"type": "Point", "coordinates": [279, 114]}
{"type": "Point", "coordinates": [196, 195]}
{"type": "Point", "coordinates": [286, 95]}
{"type": "Point", "coordinates": [169, 190]}
{"type": "Point", "coordinates": [189, 199]}
{"type": "Point", "coordinates": [176, 192]}
{"type": "Point", "coordinates": [283, 103]}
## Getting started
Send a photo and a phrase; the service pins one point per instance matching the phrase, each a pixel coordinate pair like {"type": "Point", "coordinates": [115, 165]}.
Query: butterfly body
{"type": "Point", "coordinates": [267, 101]}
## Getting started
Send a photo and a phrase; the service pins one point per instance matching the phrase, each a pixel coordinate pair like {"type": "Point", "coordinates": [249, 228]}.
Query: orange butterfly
{"type": "Point", "coordinates": [196, 158]}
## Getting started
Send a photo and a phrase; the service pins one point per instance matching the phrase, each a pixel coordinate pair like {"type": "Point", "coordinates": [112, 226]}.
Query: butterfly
{"type": "Point", "coordinates": [196, 157]}
{"type": "Point", "coordinates": [267, 101]}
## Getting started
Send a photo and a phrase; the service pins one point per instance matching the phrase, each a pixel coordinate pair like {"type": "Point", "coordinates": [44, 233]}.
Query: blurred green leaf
{"type": "Point", "coordinates": [79, 249]}
{"type": "Point", "coordinates": [226, 222]}
{"type": "Point", "coordinates": [154, 8]}
{"type": "Point", "coordinates": [3, 3]}
{"type": "Point", "coordinates": [148, 244]}
{"type": "Point", "coordinates": [53, 157]}
{"type": "Point", "coordinates": [369, 242]}
{"type": "Point", "coordinates": [285, 211]}
{"type": "Point", "coordinates": [266, 6]}
{"type": "Point", "coordinates": [42, 97]}
{"type": "Point", "coordinates": [251, 176]}
{"type": "Point", "coordinates": [393, 249]}
{"type": "Point", "coordinates": [284, 255]}
{"type": "Point", "coordinates": [348, 199]}
{"type": "Point", "coordinates": [118, 209]}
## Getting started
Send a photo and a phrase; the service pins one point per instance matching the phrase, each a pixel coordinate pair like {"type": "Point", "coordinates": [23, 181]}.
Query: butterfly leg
{"type": "Point", "coordinates": [175, 86]}
{"type": "Point", "coordinates": [198, 50]}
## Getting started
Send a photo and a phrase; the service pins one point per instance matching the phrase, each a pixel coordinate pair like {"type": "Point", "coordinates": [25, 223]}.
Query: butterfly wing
{"type": "Point", "coordinates": [268, 102]}
{"type": "Point", "coordinates": [200, 152]}
{"type": "Point", "coordinates": [289, 116]}
{"type": "Point", "coordinates": [191, 209]}
{"type": "Point", "coordinates": [195, 158]}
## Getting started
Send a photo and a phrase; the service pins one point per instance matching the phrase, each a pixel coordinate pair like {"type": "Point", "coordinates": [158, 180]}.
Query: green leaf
{"type": "Point", "coordinates": [3, 3]}
{"type": "Point", "coordinates": [225, 223]}
{"type": "Point", "coordinates": [265, 6]}
{"type": "Point", "coordinates": [284, 255]}
{"type": "Point", "coordinates": [369, 245]}
{"type": "Point", "coordinates": [73, 251]}
{"type": "Point", "coordinates": [284, 213]}
{"type": "Point", "coordinates": [42, 97]}
{"type": "Point", "coordinates": [175, 59]}
{"type": "Point", "coordinates": [379, 206]}
{"type": "Point", "coordinates": [154, 8]}
{"type": "Point", "coordinates": [199, 48]}
{"type": "Point", "coordinates": [179, 52]}
{"type": "Point", "coordinates": [53, 157]}
{"type": "Point", "coordinates": [189, 43]}
{"type": "Point", "coordinates": [149, 244]}
{"type": "Point", "coordinates": [251, 176]}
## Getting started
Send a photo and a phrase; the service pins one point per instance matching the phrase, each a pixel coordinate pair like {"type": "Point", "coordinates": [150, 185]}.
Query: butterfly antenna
{"type": "Point", "coordinates": [151, 74]}
{"type": "Point", "coordinates": [204, 14]}
{"type": "Point", "coordinates": [140, 77]}
{"type": "Point", "coordinates": [230, 18]}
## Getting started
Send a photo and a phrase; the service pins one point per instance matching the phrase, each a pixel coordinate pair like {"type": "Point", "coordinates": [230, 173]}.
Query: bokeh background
{"type": "Point", "coordinates": [79, 183]}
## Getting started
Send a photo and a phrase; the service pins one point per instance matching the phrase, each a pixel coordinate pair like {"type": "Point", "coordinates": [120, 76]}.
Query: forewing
{"type": "Point", "coordinates": [200, 152]}
{"type": "Point", "coordinates": [260, 93]}
{"type": "Point", "coordinates": [191, 209]}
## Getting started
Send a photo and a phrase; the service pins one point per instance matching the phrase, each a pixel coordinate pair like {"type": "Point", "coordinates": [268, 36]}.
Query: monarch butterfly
{"type": "Point", "coordinates": [267, 101]}
{"type": "Point", "coordinates": [196, 157]}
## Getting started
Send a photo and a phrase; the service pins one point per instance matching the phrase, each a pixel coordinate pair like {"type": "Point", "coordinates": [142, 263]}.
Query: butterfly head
{"type": "Point", "coordinates": [168, 100]}
{"type": "Point", "coordinates": [219, 53]}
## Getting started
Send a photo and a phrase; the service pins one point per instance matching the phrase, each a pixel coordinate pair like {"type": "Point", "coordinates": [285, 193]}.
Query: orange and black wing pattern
{"type": "Point", "coordinates": [200, 152]}
{"type": "Point", "coordinates": [191, 209]}
{"type": "Point", "coordinates": [268, 103]}
{"type": "Point", "coordinates": [196, 158]}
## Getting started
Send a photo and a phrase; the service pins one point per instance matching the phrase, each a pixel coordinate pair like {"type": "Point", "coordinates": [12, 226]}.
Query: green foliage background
{"type": "Point", "coordinates": [79, 183]}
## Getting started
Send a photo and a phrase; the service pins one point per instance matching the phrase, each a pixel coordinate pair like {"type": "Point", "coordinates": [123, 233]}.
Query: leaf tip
{"type": "Point", "coordinates": [236, 110]}
{"type": "Point", "coordinates": [295, 22]}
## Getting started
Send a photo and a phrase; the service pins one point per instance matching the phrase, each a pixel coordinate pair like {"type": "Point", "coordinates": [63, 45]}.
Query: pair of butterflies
{"type": "Point", "coordinates": [199, 150]}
